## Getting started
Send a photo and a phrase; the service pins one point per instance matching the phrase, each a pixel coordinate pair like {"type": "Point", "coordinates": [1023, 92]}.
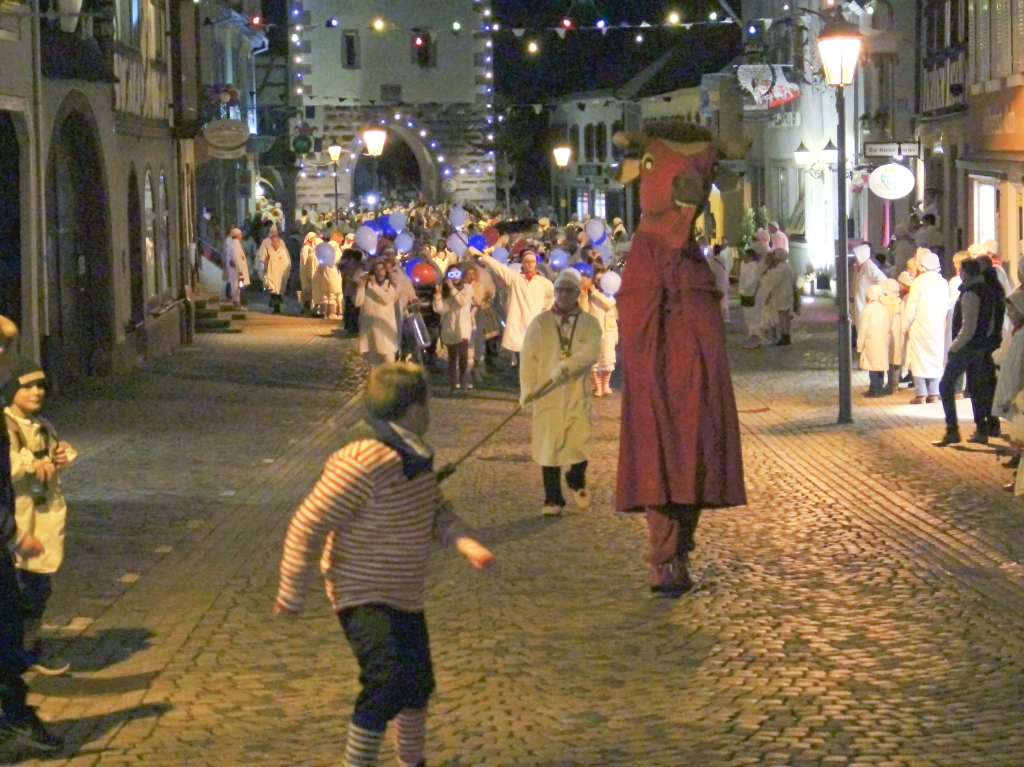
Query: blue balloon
{"type": "Point", "coordinates": [374, 224]}
{"type": "Point", "coordinates": [559, 258]}
{"type": "Point", "coordinates": [478, 241]}
{"type": "Point", "coordinates": [604, 236]}
{"type": "Point", "coordinates": [385, 226]}
{"type": "Point", "coordinates": [404, 242]}
{"type": "Point", "coordinates": [584, 268]}
{"type": "Point", "coordinates": [411, 264]}
{"type": "Point", "coordinates": [500, 255]}
{"type": "Point", "coordinates": [325, 254]}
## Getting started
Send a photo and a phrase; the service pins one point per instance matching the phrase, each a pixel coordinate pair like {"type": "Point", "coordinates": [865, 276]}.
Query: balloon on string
{"type": "Point", "coordinates": [584, 268]}
{"type": "Point", "coordinates": [366, 238]}
{"type": "Point", "coordinates": [398, 221]}
{"type": "Point", "coordinates": [500, 255]}
{"type": "Point", "coordinates": [559, 259]}
{"type": "Point", "coordinates": [518, 248]}
{"type": "Point", "coordinates": [411, 265]}
{"type": "Point", "coordinates": [456, 244]}
{"type": "Point", "coordinates": [595, 230]}
{"type": "Point", "coordinates": [385, 226]}
{"type": "Point", "coordinates": [491, 236]}
{"type": "Point", "coordinates": [325, 254]}
{"type": "Point", "coordinates": [404, 242]}
{"type": "Point", "coordinates": [478, 241]}
{"type": "Point", "coordinates": [602, 240]}
{"type": "Point", "coordinates": [423, 273]}
{"type": "Point", "coordinates": [610, 283]}
{"type": "Point", "coordinates": [457, 216]}
{"type": "Point", "coordinates": [604, 249]}
{"type": "Point", "coordinates": [374, 224]}
{"type": "Point", "coordinates": [516, 267]}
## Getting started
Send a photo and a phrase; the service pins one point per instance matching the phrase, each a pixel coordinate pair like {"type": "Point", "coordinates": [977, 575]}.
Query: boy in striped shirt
{"type": "Point", "coordinates": [371, 519]}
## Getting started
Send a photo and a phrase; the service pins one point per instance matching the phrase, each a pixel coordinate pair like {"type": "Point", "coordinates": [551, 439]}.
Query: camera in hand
{"type": "Point", "coordinates": [37, 487]}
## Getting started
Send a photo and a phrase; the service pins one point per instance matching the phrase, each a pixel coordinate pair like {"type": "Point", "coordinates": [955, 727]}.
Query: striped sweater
{"type": "Point", "coordinates": [372, 528]}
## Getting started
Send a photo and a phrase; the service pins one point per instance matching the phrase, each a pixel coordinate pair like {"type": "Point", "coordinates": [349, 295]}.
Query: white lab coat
{"type": "Point", "coordinates": [562, 428]}
{"type": "Point", "coordinates": [924, 318]}
{"type": "Point", "coordinates": [456, 315]}
{"type": "Point", "coordinates": [276, 264]}
{"type": "Point", "coordinates": [1011, 377]}
{"type": "Point", "coordinates": [307, 267]}
{"type": "Point", "coordinates": [236, 266]}
{"type": "Point", "coordinates": [721, 271]}
{"type": "Point", "coordinates": [897, 347]}
{"type": "Point", "coordinates": [867, 274]}
{"type": "Point", "coordinates": [780, 241]}
{"type": "Point", "coordinates": [776, 291]}
{"type": "Point", "coordinates": [378, 322]}
{"type": "Point", "coordinates": [874, 336]}
{"type": "Point", "coordinates": [326, 285]}
{"type": "Point", "coordinates": [46, 521]}
{"type": "Point", "coordinates": [527, 299]}
{"type": "Point", "coordinates": [604, 310]}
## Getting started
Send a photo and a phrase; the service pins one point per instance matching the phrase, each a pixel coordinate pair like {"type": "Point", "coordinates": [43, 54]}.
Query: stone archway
{"type": "Point", "coordinates": [79, 261]}
{"type": "Point", "coordinates": [398, 136]}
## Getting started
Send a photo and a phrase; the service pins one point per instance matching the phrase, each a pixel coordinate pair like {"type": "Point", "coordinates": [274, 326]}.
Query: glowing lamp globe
{"type": "Point", "coordinates": [830, 154]}
{"type": "Point", "coordinates": [839, 44]}
{"type": "Point", "coordinates": [374, 139]}
{"type": "Point", "coordinates": [562, 155]}
{"type": "Point", "coordinates": [335, 152]}
{"type": "Point", "coordinates": [803, 155]}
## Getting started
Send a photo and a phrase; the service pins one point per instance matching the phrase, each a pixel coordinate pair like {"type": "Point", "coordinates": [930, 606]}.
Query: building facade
{"type": "Point", "coordinates": [423, 70]}
{"type": "Point", "coordinates": [95, 205]}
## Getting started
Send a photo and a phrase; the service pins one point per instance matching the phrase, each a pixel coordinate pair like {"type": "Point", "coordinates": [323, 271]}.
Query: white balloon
{"type": "Point", "coordinates": [403, 242]}
{"type": "Point", "coordinates": [558, 258]}
{"type": "Point", "coordinates": [366, 239]}
{"type": "Point", "coordinates": [500, 254]}
{"type": "Point", "coordinates": [456, 244]}
{"type": "Point", "coordinates": [325, 254]}
{"type": "Point", "coordinates": [610, 283]}
{"type": "Point", "coordinates": [516, 267]}
{"type": "Point", "coordinates": [458, 217]}
{"type": "Point", "coordinates": [398, 220]}
{"type": "Point", "coordinates": [594, 229]}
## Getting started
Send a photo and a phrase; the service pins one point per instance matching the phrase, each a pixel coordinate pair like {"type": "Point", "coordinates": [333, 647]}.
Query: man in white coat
{"type": "Point", "coordinates": [277, 267]}
{"type": "Point", "coordinates": [561, 346]}
{"type": "Point", "coordinates": [530, 293]}
{"type": "Point", "coordinates": [307, 268]}
{"type": "Point", "coordinates": [868, 273]}
{"type": "Point", "coordinates": [376, 298]}
{"type": "Point", "coordinates": [924, 324]}
{"type": "Point", "coordinates": [237, 266]}
{"type": "Point", "coordinates": [779, 239]}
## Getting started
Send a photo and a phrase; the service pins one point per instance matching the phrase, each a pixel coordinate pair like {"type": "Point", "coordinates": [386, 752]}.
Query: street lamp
{"type": "Point", "coordinates": [374, 139]}
{"type": "Point", "coordinates": [839, 44]}
{"type": "Point", "coordinates": [334, 150]}
{"type": "Point", "coordinates": [562, 153]}
{"type": "Point", "coordinates": [803, 156]}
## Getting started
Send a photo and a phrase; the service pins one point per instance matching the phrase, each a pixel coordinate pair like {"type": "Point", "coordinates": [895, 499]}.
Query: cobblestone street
{"type": "Point", "coordinates": [866, 608]}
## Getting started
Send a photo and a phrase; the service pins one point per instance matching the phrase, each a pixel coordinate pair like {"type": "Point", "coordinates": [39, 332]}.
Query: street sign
{"type": "Point", "coordinates": [891, 181]}
{"type": "Point", "coordinates": [891, 148]}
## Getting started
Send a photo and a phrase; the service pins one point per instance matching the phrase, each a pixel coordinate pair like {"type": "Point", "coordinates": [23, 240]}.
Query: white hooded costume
{"type": "Point", "coordinates": [527, 299]}
{"type": "Point", "coordinates": [378, 321]}
{"type": "Point", "coordinates": [868, 273]}
{"type": "Point", "coordinates": [562, 428]}
{"type": "Point", "coordinates": [874, 334]}
{"type": "Point", "coordinates": [308, 265]}
{"type": "Point", "coordinates": [894, 303]}
{"type": "Point", "coordinates": [236, 267]}
{"type": "Point", "coordinates": [924, 318]}
{"type": "Point", "coordinates": [275, 263]}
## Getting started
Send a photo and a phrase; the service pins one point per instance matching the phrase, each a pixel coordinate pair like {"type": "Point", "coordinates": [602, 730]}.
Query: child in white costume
{"type": "Point", "coordinates": [37, 458]}
{"type": "Point", "coordinates": [604, 310]}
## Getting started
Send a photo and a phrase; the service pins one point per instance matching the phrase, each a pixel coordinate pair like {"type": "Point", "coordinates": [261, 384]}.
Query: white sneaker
{"type": "Point", "coordinates": [581, 498]}
{"type": "Point", "coordinates": [550, 510]}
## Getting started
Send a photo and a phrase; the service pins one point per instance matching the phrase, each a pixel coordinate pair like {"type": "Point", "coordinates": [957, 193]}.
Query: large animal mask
{"type": "Point", "coordinates": [675, 181]}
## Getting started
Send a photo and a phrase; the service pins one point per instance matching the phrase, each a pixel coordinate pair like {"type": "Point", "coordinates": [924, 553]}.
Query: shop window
{"type": "Point", "coordinates": [986, 211]}
{"type": "Point", "coordinates": [583, 203]}
{"type": "Point", "coordinates": [350, 49]}
{"type": "Point", "coordinates": [600, 205]}
{"type": "Point", "coordinates": [149, 226]}
{"type": "Point", "coordinates": [131, 22]}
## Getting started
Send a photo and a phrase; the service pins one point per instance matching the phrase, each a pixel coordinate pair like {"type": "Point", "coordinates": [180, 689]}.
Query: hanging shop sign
{"type": "Point", "coordinates": [767, 83]}
{"type": "Point", "coordinates": [891, 148]}
{"type": "Point", "coordinates": [226, 135]}
{"type": "Point", "coordinates": [891, 181]}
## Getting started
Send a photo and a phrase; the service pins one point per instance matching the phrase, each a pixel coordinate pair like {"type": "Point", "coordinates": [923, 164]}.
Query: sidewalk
{"type": "Point", "coordinates": [866, 608]}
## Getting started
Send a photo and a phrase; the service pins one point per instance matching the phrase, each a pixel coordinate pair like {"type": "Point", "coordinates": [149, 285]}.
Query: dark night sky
{"type": "Point", "coordinates": [587, 60]}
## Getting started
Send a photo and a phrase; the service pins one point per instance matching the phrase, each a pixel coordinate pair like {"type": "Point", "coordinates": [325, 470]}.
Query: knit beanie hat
{"type": "Point", "coordinates": [18, 372]}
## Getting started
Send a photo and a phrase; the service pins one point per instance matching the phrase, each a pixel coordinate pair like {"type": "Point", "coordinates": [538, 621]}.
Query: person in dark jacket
{"type": "Point", "coordinates": [19, 721]}
{"type": "Point", "coordinates": [977, 332]}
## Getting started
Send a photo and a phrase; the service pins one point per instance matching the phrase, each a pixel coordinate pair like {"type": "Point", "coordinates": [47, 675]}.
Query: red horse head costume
{"type": "Point", "coordinates": [680, 443]}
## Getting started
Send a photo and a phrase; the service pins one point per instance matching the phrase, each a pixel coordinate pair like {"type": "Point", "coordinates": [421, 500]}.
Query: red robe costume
{"type": "Point", "coordinates": [679, 444]}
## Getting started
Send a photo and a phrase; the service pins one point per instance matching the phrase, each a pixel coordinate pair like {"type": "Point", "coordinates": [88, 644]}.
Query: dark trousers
{"type": "Point", "coordinates": [350, 316]}
{"type": "Point", "coordinates": [876, 380]}
{"type": "Point", "coordinates": [981, 382]}
{"type": "Point", "coordinates": [575, 478]}
{"type": "Point", "coordinates": [671, 529]}
{"type": "Point", "coordinates": [13, 661]}
{"type": "Point", "coordinates": [458, 363]}
{"type": "Point", "coordinates": [393, 651]}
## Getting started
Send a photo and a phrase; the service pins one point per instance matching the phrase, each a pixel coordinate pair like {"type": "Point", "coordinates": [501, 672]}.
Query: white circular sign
{"type": "Point", "coordinates": [892, 181]}
{"type": "Point", "coordinates": [226, 135]}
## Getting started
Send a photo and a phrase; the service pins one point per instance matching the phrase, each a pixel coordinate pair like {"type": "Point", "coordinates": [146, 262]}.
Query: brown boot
{"type": "Point", "coordinates": [951, 437]}
{"type": "Point", "coordinates": [918, 400]}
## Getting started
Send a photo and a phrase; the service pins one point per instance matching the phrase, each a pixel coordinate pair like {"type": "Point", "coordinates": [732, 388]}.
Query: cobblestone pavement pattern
{"type": "Point", "coordinates": [866, 608]}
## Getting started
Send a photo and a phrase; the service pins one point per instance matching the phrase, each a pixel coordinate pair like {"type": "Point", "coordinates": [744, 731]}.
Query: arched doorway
{"type": "Point", "coordinates": [10, 221]}
{"type": "Point", "coordinates": [136, 254]}
{"type": "Point", "coordinates": [80, 341]}
{"type": "Point", "coordinates": [397, 173]}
